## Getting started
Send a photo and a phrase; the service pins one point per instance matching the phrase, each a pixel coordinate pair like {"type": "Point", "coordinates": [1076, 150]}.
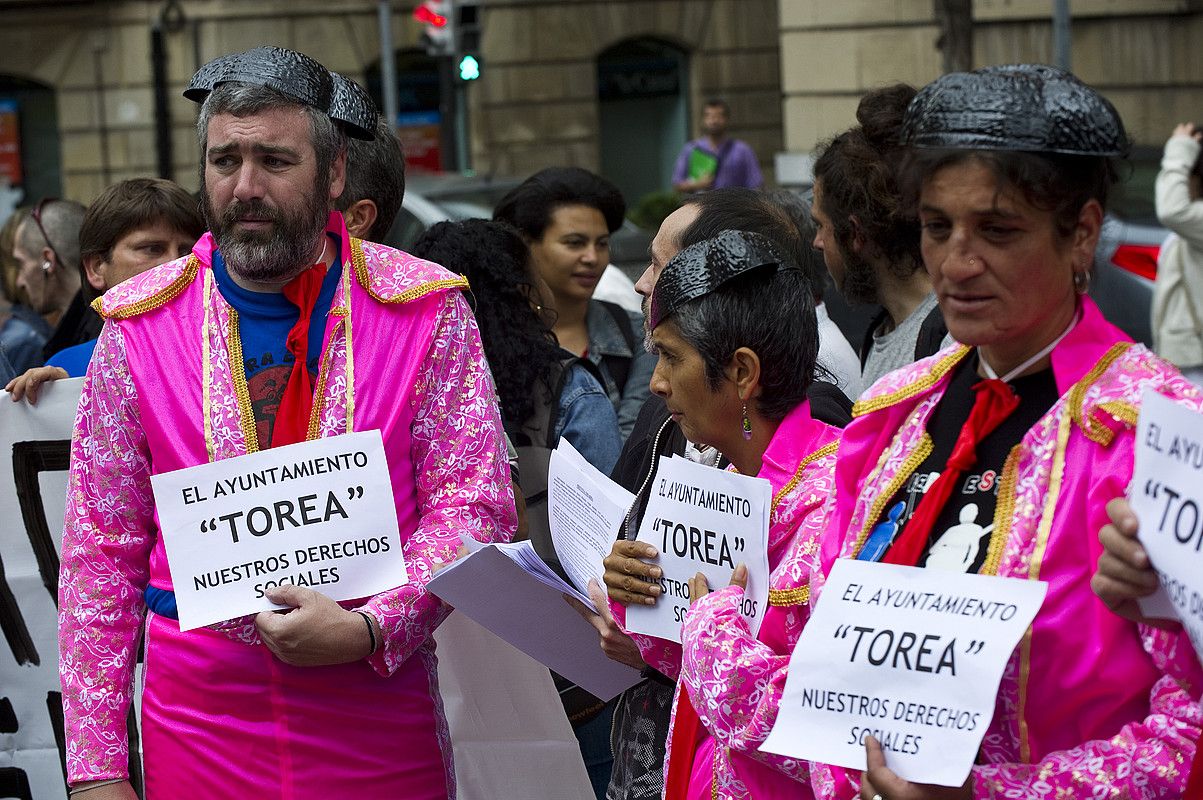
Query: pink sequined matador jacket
{"type": "Point", "coordinates": [1090, 705]}
{"type": "Point", "coordinates": [734, 679]}
{"type": "Point", "coordinates": [222, 717]}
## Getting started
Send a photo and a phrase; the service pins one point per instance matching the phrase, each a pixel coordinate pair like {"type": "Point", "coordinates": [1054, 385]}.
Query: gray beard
{"type": "Point", "coordinates": [646, 306]}
{"type": "Point", "coordinates": [279, 254]}
{"type": "Point", "coordinates": [277, 258]}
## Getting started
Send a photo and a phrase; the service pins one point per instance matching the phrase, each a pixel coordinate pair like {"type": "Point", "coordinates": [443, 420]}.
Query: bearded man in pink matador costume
{"type": "Point", "coordinates": [278, 328]}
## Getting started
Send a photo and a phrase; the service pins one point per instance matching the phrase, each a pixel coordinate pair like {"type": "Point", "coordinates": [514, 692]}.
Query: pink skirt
{"type": "Point", "coordinates": [221, 719]}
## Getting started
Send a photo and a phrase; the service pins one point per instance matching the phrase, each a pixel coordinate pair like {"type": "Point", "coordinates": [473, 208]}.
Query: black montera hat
{"type": "Point", "coordinates": [1024, 107]}
{"type": "Point", "coordinates": [702, 268]}
{"type": "Point", "coordinates": [296, 75]}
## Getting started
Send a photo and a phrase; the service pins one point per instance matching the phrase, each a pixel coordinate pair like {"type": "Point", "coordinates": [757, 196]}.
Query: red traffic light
{"type": "Point", "coordinates": [425, 13]}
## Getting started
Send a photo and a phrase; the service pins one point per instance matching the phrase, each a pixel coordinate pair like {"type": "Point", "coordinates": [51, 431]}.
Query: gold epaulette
{"type": "Point", "coordinates": [789, 597]}
{"type": "Point", "coordinates": [920, 384]}
{"type": "Point", "coordinates": [1090, 422]}
{"type": "Point", "coordinates": [439, 279]}
{"type": "Point", "coordinates": [132, 303]}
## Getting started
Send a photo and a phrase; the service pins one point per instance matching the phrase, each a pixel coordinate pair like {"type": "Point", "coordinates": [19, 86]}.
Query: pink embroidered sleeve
{"type": "Point", "coordinates": [1146, 759]}
{"type": "Point", "coordinates": [462, 477]}
{"type": "Point", "coordinates": [107, 539]}
{"type": "Point", "coordinates": [734, 679]}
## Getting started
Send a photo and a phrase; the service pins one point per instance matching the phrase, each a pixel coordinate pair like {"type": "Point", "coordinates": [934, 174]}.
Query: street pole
{"type": "Point", "coordinates": [462, 149]}
{"type": "Point", "coordinates": [448, 115]}
{"type": "Point", "coordinates": [388, 61]}
{"type": "Point", "coordinates": [1061, 34]}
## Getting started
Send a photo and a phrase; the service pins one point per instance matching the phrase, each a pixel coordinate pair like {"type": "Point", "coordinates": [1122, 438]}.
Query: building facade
{"type": "Point", "coordinates": [1144, 55]}
{"type": "Point", "coordinates": [609, 85]}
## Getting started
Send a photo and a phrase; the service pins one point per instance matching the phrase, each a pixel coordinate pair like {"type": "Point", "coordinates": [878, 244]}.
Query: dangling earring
{"type": "Point", "coordinates": [1082, 281]}
{"type": "Point", "coordinates": [747, 423]}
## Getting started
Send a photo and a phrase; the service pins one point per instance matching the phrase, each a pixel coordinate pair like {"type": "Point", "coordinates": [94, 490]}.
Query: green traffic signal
{"type": "Point", "coordinates": [469, 68]}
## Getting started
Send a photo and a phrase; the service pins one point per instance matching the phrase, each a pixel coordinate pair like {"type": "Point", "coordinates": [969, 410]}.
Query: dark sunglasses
{"type": "Point", "coordinates": [36, 216]}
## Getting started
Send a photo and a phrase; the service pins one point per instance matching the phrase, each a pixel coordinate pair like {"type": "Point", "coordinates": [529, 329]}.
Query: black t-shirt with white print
{"type": "Point", "coordinates": [960, 537]}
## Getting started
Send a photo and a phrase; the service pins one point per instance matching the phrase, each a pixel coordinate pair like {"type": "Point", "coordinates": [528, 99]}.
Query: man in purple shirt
{"type": "Point", "coordinates": [714, 161]}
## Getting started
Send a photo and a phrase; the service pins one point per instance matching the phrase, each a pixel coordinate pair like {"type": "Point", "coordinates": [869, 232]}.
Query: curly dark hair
{"type": "Point", "coordinates": [859, 170]}
{"type": "Point", "coordinates": [522, 351]}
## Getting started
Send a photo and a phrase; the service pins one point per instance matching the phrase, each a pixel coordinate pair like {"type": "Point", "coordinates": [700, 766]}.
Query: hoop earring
{"type": "Point", "coordinates": [1082, 281]}
{"type": "Point", "coordinates": [747, 424]}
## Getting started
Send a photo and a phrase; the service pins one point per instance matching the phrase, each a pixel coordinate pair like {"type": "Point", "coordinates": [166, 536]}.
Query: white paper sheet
{"type": "Point", "coordinates": [1167, 497]}
{"type": "Point", "coordinates": [910, 656]}
{"type": "Point", "coordinates": [585, 510]}
{"type": "Point", "coordinates": [701, 519]}
{"type": "Point", "coordinates": [507, 725]}
{"type": "Point", "coordinates": [318, 514]}
{"type": "Point", "coordinates": [493, 588]}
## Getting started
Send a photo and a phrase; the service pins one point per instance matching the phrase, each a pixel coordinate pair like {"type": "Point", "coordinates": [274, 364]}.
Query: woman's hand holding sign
{"type": "Point", "coordinates": [699, 587]}
{"type": "Point", "coordinates": [880, 782]}
{"type": "Point", "coordinates": [316, 632]}
{"type": "Point", "coordinates": [629, 580]}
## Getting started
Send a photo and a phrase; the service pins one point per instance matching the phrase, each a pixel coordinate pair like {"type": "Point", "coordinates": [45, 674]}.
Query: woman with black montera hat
{"type": "Point", "coordinates": [1029, 424]}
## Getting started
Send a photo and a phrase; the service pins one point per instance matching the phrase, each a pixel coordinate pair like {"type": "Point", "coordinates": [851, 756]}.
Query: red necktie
{"type": "Point", "coordinates": [296, 404]}
{"type": "Point", "coordinates": [993, 403]}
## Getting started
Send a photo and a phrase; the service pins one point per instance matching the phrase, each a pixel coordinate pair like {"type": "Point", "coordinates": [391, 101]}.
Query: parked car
{"type": "Point", "coordinates": [431, 198]}
{"type": "Point", "coordinates": [1126, 258]}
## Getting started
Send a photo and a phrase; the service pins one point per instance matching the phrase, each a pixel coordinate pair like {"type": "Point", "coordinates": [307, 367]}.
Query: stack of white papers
{"type": "Point", "coordinates": [523, 554]}
{"type": "Point", "coordinates": [509, 590]}
{"type": "Point", "coordinates": [585, 509]}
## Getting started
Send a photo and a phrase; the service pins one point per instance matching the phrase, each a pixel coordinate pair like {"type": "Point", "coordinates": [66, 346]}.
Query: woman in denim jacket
{"type": "Point", "coordinates": [566, 216]}
{"type": "Point", "coordinates": [530, 369]}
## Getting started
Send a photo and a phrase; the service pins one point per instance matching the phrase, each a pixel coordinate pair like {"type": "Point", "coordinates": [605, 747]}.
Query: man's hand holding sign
{"type": "Point", "coordinates": [296, 527]}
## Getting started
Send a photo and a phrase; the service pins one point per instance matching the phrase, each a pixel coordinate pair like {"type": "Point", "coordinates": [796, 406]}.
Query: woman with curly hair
{"type": "Point", "coordinates": [532, 372]}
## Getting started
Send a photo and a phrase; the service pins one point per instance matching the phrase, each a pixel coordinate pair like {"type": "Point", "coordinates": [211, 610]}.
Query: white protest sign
{"type": "Point", "coordinates": [1167, 497]}
{"type": "Point", "coordinates": [910, 656]}
{"type": "Point", "coordinates": [316, 514]}
{"type": "Point", "coordinates": [704, 520]}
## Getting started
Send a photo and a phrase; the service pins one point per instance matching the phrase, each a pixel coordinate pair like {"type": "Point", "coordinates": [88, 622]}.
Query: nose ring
{"type": "Point", "coordinates": [972, 261]}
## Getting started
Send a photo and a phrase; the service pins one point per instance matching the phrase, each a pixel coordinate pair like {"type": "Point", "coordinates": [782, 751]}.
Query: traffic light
{"type": "Point", "coordinates": [438, 19]}
{"type": "Point", "coordinates": [469, 68]}
{"type": "Point", "coordinates": [467, 39]}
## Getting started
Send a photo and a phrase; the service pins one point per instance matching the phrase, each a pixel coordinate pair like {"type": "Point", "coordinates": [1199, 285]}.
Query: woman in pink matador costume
{"type": "Point", "coordinates": [1090, 705]}
{"type": "Point", "coordinates": [736, 678]}
{"type": "Point", "coordinates": [715, 730]}
{"type": "Point", "coordinates": [223, 717]}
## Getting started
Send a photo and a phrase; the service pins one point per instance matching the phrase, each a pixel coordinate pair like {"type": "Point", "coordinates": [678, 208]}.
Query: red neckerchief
{"type": "Point", "coordinates": [296, 404]}
{"type": "Point", "coordinates": [993, 402]}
